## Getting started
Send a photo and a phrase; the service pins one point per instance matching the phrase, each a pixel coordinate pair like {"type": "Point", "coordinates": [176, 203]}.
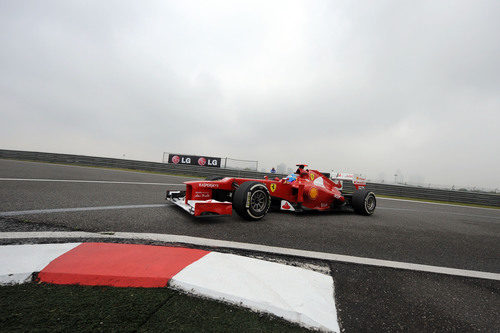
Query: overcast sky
{"type": "Point", "coordinates": [363, 86]}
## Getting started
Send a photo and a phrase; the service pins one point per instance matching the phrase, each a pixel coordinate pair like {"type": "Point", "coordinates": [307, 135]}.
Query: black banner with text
{"type": "Point", "coordinates": [194, 160]}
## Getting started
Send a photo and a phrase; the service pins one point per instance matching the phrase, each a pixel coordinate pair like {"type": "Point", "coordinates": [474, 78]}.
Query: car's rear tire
{"type": "Point", "coordinates": [364, 202]}
{"type": "Point", "coordinates": [251, 200]}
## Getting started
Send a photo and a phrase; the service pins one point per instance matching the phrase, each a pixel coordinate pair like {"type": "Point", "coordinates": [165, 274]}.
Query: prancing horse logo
{"type": "Point", "coordinates": [273, 187]}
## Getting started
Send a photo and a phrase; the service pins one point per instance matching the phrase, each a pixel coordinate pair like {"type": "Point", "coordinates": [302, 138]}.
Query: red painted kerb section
{"type": "Point", "coordinates": [119, 265]}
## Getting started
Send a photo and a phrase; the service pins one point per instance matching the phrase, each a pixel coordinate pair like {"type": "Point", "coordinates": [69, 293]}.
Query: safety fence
{"type": "Point", "coordinates": [382, 189]}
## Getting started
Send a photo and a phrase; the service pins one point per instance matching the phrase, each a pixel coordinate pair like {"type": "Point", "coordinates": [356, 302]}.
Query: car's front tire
{"type": "Point", "coordinates": [251, 200]}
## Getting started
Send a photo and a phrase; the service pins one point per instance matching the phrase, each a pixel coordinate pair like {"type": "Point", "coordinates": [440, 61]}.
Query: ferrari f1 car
{"type": "Point", "coordinates": [252, 198]}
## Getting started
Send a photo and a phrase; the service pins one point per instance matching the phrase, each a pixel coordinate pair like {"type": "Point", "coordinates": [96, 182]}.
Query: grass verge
{"type": "Point", "coordinates": [45, 307]}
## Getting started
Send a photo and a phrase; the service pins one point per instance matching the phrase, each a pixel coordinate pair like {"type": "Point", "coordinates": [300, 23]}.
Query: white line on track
{"type": "Point", "coordinates": [83, 209]}
{"type": "Point", "coordinates": [436, 203]}
{"type": "Point", "coordinates": [78, 209]}
{"type": "Point", "coordinates": [253, 247]}
{"type": "Point", "coordinates": [84, 181]}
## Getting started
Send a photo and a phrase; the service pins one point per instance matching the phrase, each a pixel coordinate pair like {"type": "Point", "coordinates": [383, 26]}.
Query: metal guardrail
{"type": "Point", "coordinates": [383, 189]}
{"type": "Point", "coordinates": [130, 164]}
{"type": "Point", "coordinates": [431, 194]}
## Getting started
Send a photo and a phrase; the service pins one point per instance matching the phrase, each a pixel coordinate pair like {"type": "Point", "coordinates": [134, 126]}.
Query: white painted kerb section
{"type": "Point", "coordinates": [254, 247]}
{"type": "Point", "coordinates": [18, 262]}
{"type": "Point", "coordinates": [295, 294]}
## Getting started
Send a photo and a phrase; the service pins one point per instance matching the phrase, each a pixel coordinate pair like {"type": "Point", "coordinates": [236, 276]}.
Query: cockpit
{"type": "Point", "coordinates": [300, 172]}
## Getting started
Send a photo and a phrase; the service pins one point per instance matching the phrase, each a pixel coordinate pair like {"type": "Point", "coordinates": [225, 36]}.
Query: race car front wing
{"type": "Point", "coordinates": [199, 207]}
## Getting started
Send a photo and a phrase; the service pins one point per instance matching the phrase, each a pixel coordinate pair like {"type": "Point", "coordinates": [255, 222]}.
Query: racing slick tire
{"type": "Point", "coordinates": [364, 202]}
{"type": "Point", "coordinates": [251, 200]}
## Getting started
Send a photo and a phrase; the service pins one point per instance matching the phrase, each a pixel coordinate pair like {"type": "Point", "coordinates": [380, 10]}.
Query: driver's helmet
{"type": "Point", "coordinates": [291, 178]}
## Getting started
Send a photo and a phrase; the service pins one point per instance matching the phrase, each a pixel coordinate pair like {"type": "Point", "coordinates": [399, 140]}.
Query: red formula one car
{"type": "Point", "coordinates": [252, 198]}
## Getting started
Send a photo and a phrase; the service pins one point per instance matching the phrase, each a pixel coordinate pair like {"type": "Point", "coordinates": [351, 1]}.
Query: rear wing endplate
{"type": "Point", "coordinates": [358, 181]}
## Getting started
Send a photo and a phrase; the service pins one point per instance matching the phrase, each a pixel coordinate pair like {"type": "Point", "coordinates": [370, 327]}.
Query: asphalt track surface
{"type": "Point", "coordinates": [369, 298]}
{"type": "Point", "coordinates": [440, 235]}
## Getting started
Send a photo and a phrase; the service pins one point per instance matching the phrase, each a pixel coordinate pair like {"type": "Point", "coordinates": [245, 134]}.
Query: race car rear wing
{"type": "Point", "coordinates": [358, 181]}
